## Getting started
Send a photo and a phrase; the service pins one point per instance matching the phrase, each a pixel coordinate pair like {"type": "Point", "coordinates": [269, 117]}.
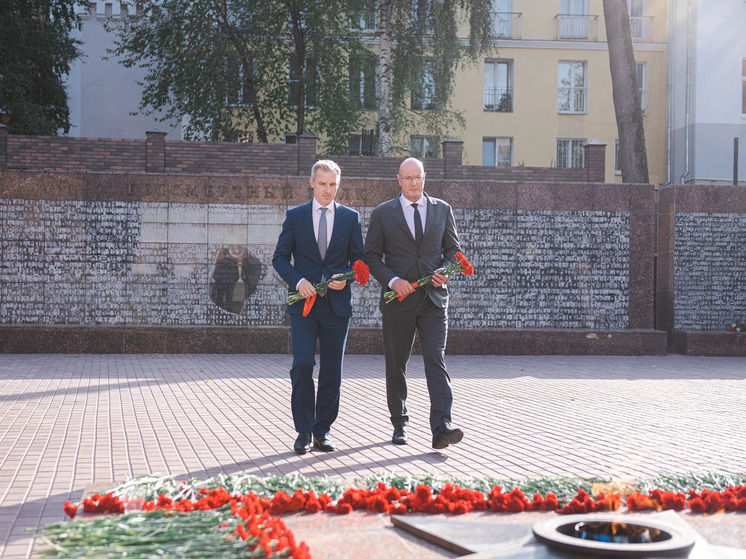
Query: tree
{"type": "Point", "coordinates": [36, 51]}
{"type": "Point", "coordinates": [419, 53]}
{"type": "Point", "coordinates": [627, 103]}
{"type": "Point", "coordinates": [228, 65]}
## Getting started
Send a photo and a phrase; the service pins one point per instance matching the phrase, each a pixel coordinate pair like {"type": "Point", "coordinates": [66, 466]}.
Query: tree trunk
{"type": "Point", "coordinates": [298, 63]}
{"type": "Point", "coordinates": [627, 103]}
{"type": "Point", "coordinates": [384, 82]}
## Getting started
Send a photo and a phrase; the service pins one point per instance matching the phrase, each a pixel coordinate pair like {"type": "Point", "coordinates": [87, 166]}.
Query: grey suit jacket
{"type": "Point", "coordinates": [390, 249]}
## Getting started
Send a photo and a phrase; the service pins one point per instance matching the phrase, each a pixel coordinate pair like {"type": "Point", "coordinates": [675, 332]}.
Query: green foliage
{"type": "Point", "coordinates": [141, 536]}
{"type": "Point", "coordinates": [151, 486]}
{"type": "Point", "coordinates": [225, 64]}
{"type": "Point", "coordinates": [714, 481]}
{"type": "Point", "coordinates": [36, 51]}
{"type": "Point", "coordinates": [426, 52]}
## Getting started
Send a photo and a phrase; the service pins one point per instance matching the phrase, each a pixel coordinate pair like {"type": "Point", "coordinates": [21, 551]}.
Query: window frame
{"type": "Point", "coordinates": [362, 96]}
{"type": "Point", "coordinates": [495, 140]}
{"type": "Point", "coordinates": [428, 93]}
{"type": "Point", "coordinates": [423, 152]}
{"type": "Point", "coordinates": [311, 77]}
{"type": "Point", "coordinates": [572, 90]}
{"type": "Point", "coordinates": [367, 15]}
{"type": "Point", "coordinates": [236, 97]}
{"type": "Point", "coordinates": [638, 24]}
{"type": "Point", "coordinates": [497, 101]}
{"type": "Point", "coordinates": [575, 147]}
{"type": "Point", "coordinates": [502, 19]}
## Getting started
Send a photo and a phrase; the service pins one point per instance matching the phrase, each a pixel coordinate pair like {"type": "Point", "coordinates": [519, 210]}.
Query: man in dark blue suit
{"type": "Point", "coordinates": [318, 241]}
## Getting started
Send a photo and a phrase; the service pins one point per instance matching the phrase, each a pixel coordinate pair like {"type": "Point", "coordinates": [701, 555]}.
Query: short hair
{"type": "Point", "coordinates": [326, 165]}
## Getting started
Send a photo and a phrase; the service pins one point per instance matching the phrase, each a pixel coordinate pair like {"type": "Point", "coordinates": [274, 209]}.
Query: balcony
{"type": "Point", "coordinates": [571, 99]}
{"type": "Point", "coordinates": [507, 25]}
{"type": "Point", "coordinates": [575, 27]}
{"type": "Point", "coordinates": [642, 28]}
{"type": "Point", "coordinates": [498, 99]}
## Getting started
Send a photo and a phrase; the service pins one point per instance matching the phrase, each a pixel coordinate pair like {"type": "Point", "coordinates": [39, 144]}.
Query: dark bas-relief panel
{"type": "Point", "coordinates": [235, 275]}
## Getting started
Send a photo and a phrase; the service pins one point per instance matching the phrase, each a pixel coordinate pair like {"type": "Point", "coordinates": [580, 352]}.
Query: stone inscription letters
{"type": "Point", "coordinates": [155, 263]}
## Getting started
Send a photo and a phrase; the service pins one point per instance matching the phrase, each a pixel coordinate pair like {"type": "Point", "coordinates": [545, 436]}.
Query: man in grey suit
{"type": "Point", "coordinates": [408, 238]}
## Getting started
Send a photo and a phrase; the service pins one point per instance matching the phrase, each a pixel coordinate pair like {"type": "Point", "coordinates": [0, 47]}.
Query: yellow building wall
{"type": "Point", "coordinates": [535, 124]}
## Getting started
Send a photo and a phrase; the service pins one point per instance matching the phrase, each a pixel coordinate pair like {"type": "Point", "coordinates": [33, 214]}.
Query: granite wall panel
{"type": "Point", "coordinates": [547, 255]}
{"type": "Point", "coordinates": [709, 267]}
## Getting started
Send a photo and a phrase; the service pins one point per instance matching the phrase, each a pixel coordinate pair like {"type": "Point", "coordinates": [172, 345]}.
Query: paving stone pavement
{"type": "Point", "coordinates": [70, 421]}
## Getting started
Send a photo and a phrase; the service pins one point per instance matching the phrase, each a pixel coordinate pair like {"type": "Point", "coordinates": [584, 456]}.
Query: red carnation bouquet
{"type": "Point", "coordinates": [360, 273]}
{"type": "Point", "coordinates": [459, 265]}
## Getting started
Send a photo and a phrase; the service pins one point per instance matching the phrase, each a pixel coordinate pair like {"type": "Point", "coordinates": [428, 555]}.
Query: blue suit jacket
{"type": "Point", "coordinates": [297, 253]}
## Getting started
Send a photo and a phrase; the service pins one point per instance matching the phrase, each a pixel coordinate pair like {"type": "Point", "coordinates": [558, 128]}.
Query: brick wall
{"type": "Point", "coordinates": [155, 154]}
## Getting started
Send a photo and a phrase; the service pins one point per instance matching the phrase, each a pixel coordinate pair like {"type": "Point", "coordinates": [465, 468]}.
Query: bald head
{"type": "Point", "coordinates": [408, 162]}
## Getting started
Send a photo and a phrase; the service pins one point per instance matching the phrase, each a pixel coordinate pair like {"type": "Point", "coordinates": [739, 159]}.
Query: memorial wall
{"type": "Point", "coordinates": [107, 250]}
{"type": "Point", "coordinates": [701, 268]}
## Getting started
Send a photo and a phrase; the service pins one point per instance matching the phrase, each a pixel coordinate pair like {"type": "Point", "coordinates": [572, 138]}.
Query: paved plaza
{"type": "Point", "coordinates": [68, 422]}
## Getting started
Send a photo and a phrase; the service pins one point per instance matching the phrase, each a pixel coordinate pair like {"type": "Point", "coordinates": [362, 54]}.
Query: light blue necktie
{"type": "Point", "coordinates": [322, 242]}
{"type": "Point", "coordinates": [322, 233]}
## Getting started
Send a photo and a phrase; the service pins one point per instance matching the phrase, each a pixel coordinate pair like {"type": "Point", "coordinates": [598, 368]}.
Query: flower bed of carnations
{"type": "Point", "coordinates": [238, 516]}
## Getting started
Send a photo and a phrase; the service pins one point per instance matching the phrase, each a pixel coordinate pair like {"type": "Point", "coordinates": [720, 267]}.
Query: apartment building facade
{"type": "Point", "coordinates": [535, 102]}
{"type": "Point", "coordinates": [707, 101]}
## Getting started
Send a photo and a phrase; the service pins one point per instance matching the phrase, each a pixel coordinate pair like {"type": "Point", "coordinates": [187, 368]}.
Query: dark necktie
{"type": "Point", "coordinates": [417, 224]}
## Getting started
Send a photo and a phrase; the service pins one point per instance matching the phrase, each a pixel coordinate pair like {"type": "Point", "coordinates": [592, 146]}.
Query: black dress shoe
{"type": "Point", "coordinates": [324, 442]}
{"type": "Point", "coordinates": [302, 443]}
{"type": "Point", "coordinates": [446, 436]}
{"type": "Point", "coordinates": [400, 435]}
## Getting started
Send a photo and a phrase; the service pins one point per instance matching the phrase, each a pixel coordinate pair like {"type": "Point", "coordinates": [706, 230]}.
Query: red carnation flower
{"type": "Point", "coordinates": [70, 509]}
{"type": "Point", "coordinates": [362, 272]}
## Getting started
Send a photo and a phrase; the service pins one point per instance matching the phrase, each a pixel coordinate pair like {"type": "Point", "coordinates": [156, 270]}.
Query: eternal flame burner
{"type": "Point", "coordinates": [614, 536]}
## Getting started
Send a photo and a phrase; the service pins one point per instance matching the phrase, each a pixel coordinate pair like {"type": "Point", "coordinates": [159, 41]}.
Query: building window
{"type": "Point", "coordinates": [637, 20]}
{"type": "Point", "coordinates": [424, 97]}
{"type": "Point", "coordinates": [240, 82]}
{"type": "Point", "coordinates": [363, 144]}
{"type": "Point", "coordinates": [743, 85]}
{"type": "Point", "coordinates": [364, 17]}
{"type": "Point", "coordinates": [642, 78]}
{"type": "Point", "coordinates": [571, 153]}
{"type": "Point", "coordinates": [363, 80]}
{"type": "Point", "coordinates": [497, 152]}
{"type": "Point", "coordinates": [617, 161]}
{"type": "Point", "coordinates": [498, 90]}
{"type": "Point", "coordinates": [571, 87]}
{"type": "Point", "coordinates": [305, 79]}
{"type": "Point", "coordinates": [503, 18]}
{"type": "Point", "coordinates": [574, 19]}
{"type": "Point", "coordinates": [424, 147]}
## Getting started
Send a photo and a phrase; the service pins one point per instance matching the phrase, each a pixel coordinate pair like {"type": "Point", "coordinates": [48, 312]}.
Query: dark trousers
{"type": "Point", "coordinates": [314, 412]}
{"type": "Point", "coordinates": [431, 323]}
